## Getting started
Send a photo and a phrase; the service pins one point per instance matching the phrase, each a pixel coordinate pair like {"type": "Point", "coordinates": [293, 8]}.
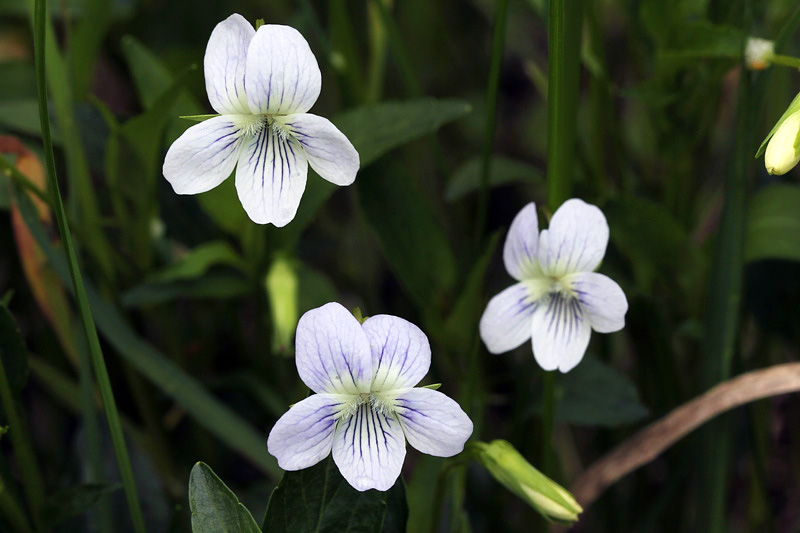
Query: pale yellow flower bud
{"type": "Point", "coordinates": [511, 469]}
{"type": "Point", "coordinates": [758, 53]}
{"type": "Point", "coordinates": [782, 151]}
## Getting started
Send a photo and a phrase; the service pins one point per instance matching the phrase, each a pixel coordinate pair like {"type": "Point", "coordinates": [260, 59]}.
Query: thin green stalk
{"type": "Point", "coordinates": [112, 416]}
{"type": "Point", "coordinates": [498, 43]}
{"type": "Point", "coordinates": [563, 61]}
{"type": "Point", "coordinates": [32, 480]}
{"type": "Point", "coordinates": [377, 55]}
{"type": "Point", "coordinates": [722, 318]}
{"type": "Point", "coordinates": [787, 61]}
{"type": "Point", "coordinates": [395, 45]}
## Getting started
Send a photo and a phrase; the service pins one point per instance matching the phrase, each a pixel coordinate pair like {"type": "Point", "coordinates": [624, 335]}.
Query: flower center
{"type": "Point", "coordinates": [375, 401]}
{"type": "Point", "coordinates": [255, 124]}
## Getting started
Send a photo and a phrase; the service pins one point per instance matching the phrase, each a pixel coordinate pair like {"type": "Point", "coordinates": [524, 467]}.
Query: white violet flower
{"type": "Point", "coordinates": [558, 299]}
{"type": "Point", "coordinates": [262, 83]}
{"type": "Point", "coordinates": [366, 405]}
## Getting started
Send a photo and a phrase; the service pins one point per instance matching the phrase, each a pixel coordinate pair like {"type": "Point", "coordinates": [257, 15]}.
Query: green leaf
{"type": "Point", "coordinates": [197, 262]}
{"type": "Point", "coordinates": [413, 241]}
{"type": "Point", "coordinates": [595, 394]}
{"type": "Point", "coordinates": [503, 171]}
{"type": "Point", "coordinates": [165, 374]}
{"type": "Point", "coordinates": [72, 501]}
{"type": "Point", "coordinates": [13, 355]}
{"type": "Point", "coordinates": [792, 109]}
{"type": "Point", "coordinates": [22, 116]}
{"type": "Point", "coordinates": [376, 129]}
{"type": "Point", "coordinates": [773, 224]}
{"type": "Point", "coordinates": [215, 508]}
{"type": "Point", "coordinates": [319, 500]}
{"type": "Point", "coordinates": [215, 287]}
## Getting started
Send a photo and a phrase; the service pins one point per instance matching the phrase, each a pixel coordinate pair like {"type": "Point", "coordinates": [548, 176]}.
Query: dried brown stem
{"type": "Point", "coordinates": [650, 442]}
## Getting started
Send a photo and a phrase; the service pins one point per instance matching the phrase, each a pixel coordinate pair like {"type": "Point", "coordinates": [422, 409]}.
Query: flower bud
{"type": "Point", "coordinates": [783, 151]}
{"type": "Point", "coordinates": [282, 288]}
{"type": "Point", "coordinates": [511, 469]}
{"type": "Point", "coordinates": [758, 53]}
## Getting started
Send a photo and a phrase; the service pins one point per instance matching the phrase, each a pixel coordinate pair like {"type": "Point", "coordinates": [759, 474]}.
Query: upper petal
{"type": "Point", "coordinates": [332, 351]}
{"type": "Point", "coordinates": [328, 151]}
{"type": "Point", "coordinates": [369, 449]}
{"type": "Point", "coordinates": [560, 333]}
{"type": "Point", "coordinates": [602, 300]}
{"type": "Point", "coordinates": [302, 437]}
{"type": "Point", "coordinates": [519, 252]}
{"type": "Point", "coordinates": [282, 73]}
{"type": "Point", "coordinates": [224, 65]}
{"type": "Point", "coordinates": [401, 353]}
{"type": "Point", "coordinates": [575, 241]}
{"type": "Point", "coordinates": [506, 322]}
{"type": "Point", "coordinates": [204, 155]}
{"type": "Point", "coordinates": [271, 176]}
{"type": "Point", "coordinates": [432, 422]}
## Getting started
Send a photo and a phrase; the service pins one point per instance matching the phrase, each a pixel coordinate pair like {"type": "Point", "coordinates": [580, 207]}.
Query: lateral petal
{"type": "Point", "coordinates": [432, 422]}
{"type": "Point", "coordinates": [204, 155]}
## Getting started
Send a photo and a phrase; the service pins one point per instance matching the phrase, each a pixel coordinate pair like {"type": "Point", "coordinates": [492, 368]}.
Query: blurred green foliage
{"type": "Point", "coordinates": [178, 285]}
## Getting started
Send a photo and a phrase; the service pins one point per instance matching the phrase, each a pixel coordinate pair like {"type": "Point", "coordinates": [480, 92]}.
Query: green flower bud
{"type": "Point", "coordinates": [783, 151]}
{"type": "Point", "coordinates": [511, 469]}
{"type": "Point", "coordinates": [282, 284]}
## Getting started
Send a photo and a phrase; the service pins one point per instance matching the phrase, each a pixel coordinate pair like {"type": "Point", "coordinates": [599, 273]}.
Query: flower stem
{"type": "Point", "coordinates": [87, 320]}
{"type": "Point", "coordinates": [787, 61]}
{"type": "Point", "coordinates": [498, 43]}
{"type": "Point", "coordinates": [563, 61]}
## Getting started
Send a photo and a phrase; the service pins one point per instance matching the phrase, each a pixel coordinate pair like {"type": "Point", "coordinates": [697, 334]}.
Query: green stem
{"type": "Point", "coordinates": [563, 61]}
{"type": "Point", "coordinates": [107, 394]}
{"type": "Point", "coordinates": [787, 61]}
{"type": "Point", "coordinates": [395, 45]}
{"type": "Point", "coordinates": [498, 43]}
{"type": "Point", "coordinates": [32, 480]}
{"type": "Point", "coordinates": [377, 55]}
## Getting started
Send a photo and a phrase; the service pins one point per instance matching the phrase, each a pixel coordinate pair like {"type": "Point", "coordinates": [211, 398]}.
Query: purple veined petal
{"type": "Point", "coordinates": [575, 241]}
{"type": "Point", "coordinates": [271, 176]}
{"type": "Point", "coordinates": [401, 353]}
{"type": "Point", "coordinates": [369, 448]}
{"type": "Point", "coordinates": [560, 333]}
{"type": "Point", "coordinates": [432, 422]}
{"type": "Point", "coordinates": [303, 436]}
{"type": "Point", "coordinates": [519, 251]}
{"type": "Point", "coordinates": [224, 65]}
{"type": "Point", "coordinates": [332, 351]}
{"type": "Point", "coordinates": [602, 300]}
{"type": "Point", "coordinates": [282, 73]}
{"type": "Point", "coordinates": [506, 322]}
{"type": "Point", "coordinates": [329, 152]}
{"type": "Point", "coordinates": [204, 155]}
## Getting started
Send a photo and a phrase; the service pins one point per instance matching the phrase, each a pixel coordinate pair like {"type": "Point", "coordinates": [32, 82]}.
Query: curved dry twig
{"type": "Point", "coordinates": [650, 442]}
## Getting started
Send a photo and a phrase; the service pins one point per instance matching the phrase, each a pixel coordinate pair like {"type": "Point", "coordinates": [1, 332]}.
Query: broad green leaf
{"type": "Point", "coordinates": [595, 394]}
{"type": "Point", "coordinates": [72, 501]}
{"type": "Point", "coordinates": [209, 412]}
{"type": "Point", "coordinates": [773, 224]}
{"type": "Point", "coordinates": [22, 116]}
{"type": "Point", "coordinates": [319, 500]}
{"type": "Point", "coordinates": [215, 508]}
{"type": "Point", "coordinates": [792, 109]}
{"type": "Point", "coordinates": [13, 355]}
{"type": "Point", "coordinates": [413, 241]}
{"type": "Point", "coordinates": [216, 287]}
{"type": "Point", "coordinates": [376, 129]}
{"type": "Point", "coordinates": [197, 262]}
{"type": "Point", "coordinates": [504, 171]}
